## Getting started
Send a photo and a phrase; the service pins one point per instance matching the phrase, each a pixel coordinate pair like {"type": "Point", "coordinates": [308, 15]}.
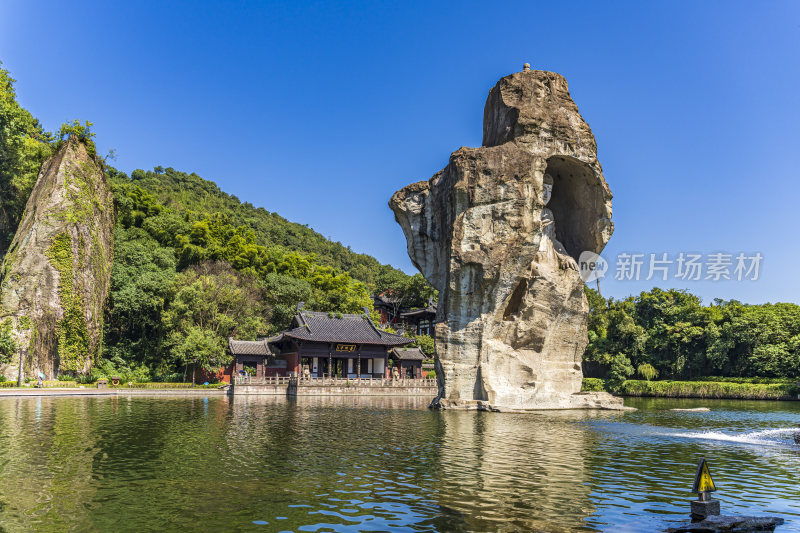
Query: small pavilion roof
{"type": "Point", "coordinates": [428, 309]}
{"type": "Point", "coordinates": [409, 354]}
{"type": "Point", "coordinates": [259, 347]}
{"type": "Point", "coordinates": [421, 311]}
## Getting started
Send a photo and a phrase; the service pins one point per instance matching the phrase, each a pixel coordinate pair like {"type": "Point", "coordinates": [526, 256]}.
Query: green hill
{"type": "Point", "coordinates": [189, 192]}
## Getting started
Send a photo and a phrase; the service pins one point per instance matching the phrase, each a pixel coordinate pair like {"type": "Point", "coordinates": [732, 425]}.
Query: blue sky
{"type": "Point", "coordinates": [320, 111]}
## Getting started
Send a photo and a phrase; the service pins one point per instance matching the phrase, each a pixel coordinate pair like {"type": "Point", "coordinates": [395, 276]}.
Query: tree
{"type": "Point", "coordinates": [7, 345]}
{"type": "Point", "coordinates": [141, 277]}
{"type": "Point", "coordinates": [195, 344]}
{"type": "Point", "coordinates": [209, 303]}
{"type": "Point", "coordinates": [425, 343]}
{"type": "Point", "coordinates": [283, 293]}
{"type": "Point", "coordinates": [404, 292]}
{"type": "Point", "coordinates": [24, 145]}
{"type": "Point", "coordinates": [647, 371]}
{"type": "Point", "coordinates": [621, 368]}
{"type": "Point", "coordinates": [83, 131]}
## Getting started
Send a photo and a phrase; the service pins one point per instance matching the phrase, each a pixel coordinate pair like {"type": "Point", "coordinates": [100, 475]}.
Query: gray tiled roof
{"type": "Point", "coordinates": [315, 326]}
{"type": "Point", "coordinates": [248, 347]}
{"type": "Point", "coordinates": [409, 354]}
{"type": "Point", "coordinates": [430, 310]}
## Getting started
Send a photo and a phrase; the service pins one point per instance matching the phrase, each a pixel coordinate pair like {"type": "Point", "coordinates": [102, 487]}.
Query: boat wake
{"type": "Point", "coordinates": [767, 437]}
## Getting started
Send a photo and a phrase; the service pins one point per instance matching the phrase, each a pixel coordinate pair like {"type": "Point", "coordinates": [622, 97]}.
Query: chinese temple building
{"type": "Point", "coordinates": [322, 344]}
{"type": "Point", "coordinates": [249, 356]}
{"type": "Point", "coordinates": [419, 321]}
{"type": "Point", "coordinates": [415, 321]}
{"type": "Point", "coordinates": [408, 362]}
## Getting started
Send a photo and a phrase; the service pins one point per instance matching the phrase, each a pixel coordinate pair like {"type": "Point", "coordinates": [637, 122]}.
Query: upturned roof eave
{"type": "Point", "coordinates": [379, 342]}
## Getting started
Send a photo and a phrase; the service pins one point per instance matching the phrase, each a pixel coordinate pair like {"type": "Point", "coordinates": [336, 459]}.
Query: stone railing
{"type": "Point", "coordinates": [366, 382]}
{"type": "Point", "coordinates": [334, 381]}
{"type": "Point", "coordinates": [268, 380]}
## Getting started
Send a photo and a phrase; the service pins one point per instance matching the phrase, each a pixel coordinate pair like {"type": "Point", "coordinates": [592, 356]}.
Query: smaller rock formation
{"type": "Point", "coordinates": [729, 524]}
{"type": "Point", "coordinates": [498, 232]}
{"type": "Point", "coordinates": [56, 275]}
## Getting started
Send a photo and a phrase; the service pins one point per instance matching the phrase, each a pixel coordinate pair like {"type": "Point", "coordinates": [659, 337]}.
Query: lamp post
{"type": "Point", "coordinates": [20, 378]}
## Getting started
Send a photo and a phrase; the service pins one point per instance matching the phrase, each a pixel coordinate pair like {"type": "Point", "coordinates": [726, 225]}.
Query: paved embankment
{"type": "Point", "coordinates": [26, 392]}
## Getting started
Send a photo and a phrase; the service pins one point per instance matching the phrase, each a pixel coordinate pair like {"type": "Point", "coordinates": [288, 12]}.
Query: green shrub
{"type": "Point", "coordinates": [115, 366]}
{"type": "Point", "coordinates": [2, 378]}
{"type": "Point", "coordinates": [59, 384]}
{"type": "Point", "coordinates": [7, 384]}
{"type": "Point", "coordinates": [65, 377]}
{"type": "Point", "coordinates": [162, 385]}
{"type": "Point", "coordinates": [710, 389]}
{"type": "Point", "coordinates": [746, 380]}
{"type": "Point", "coordinates": [593, 385]}
{"type": "Point", "coordinates": [87, 379]}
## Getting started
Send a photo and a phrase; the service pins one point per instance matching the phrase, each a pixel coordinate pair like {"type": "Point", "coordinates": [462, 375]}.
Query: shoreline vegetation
{"type": "Point", "coordinates": [704, 388]}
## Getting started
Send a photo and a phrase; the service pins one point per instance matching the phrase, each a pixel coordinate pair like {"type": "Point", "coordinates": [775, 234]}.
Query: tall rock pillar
{"type": "Point", "coordinates": [56, 275]}
{"type": "Point", "coordinates": [498, 232]}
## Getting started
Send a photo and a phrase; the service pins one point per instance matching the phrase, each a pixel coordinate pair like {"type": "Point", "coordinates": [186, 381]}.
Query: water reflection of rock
{"type": "Point", "coordinates": [515, 472]}
{"type": "Point", "coordinates": [47, 452]}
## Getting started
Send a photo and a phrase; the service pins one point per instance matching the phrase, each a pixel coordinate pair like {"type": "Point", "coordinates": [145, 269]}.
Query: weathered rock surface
{"type": "Point", "coordinates": [55, 277]}
{"type": "Point", "coordinates": [511, 328]}
{"type": "Point", "coordinates": [732, 524]}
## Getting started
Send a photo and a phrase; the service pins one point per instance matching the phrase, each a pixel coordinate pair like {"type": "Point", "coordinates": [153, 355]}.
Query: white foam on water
{"type": "Point", "coordinates": [765, 437]}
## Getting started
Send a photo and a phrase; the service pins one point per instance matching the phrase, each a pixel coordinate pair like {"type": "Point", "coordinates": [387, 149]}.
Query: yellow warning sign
{"type": "Point", "coordinates": [702, 480]}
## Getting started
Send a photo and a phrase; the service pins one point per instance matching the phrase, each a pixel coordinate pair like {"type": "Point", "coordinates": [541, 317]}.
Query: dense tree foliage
{"type": "Point", "coordinates": [403, 291]}
{"type": "Point", "coordinates": [207, 304]}
{"type": "Point", "coordinates": [24, 145]}
{"type": "Point", "coordinates": [670, 334]}
{"type": "Point", "coordinates": [189, 193]}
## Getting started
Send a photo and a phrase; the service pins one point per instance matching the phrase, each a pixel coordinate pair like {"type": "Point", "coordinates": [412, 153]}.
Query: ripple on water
{"type": "Point", "coordinates": [382, 464]}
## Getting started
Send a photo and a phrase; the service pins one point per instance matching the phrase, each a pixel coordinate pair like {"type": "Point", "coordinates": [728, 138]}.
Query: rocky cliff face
{"type": "Point", "coordinates": [55, 277]}
{"type": "Point", "coordinates": [511, 329]}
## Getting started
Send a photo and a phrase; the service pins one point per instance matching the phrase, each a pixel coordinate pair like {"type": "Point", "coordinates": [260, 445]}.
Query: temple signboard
{"type": "Point", "coordinates": [345, 347]}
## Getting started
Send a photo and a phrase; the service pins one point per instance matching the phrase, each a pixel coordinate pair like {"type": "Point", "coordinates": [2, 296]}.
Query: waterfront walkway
{"type": "Point", "coordinates": [93, 391]}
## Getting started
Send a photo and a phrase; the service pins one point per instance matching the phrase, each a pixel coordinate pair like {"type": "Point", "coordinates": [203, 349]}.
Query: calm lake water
{"type": "Point", "coordinates": [382, 464]}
